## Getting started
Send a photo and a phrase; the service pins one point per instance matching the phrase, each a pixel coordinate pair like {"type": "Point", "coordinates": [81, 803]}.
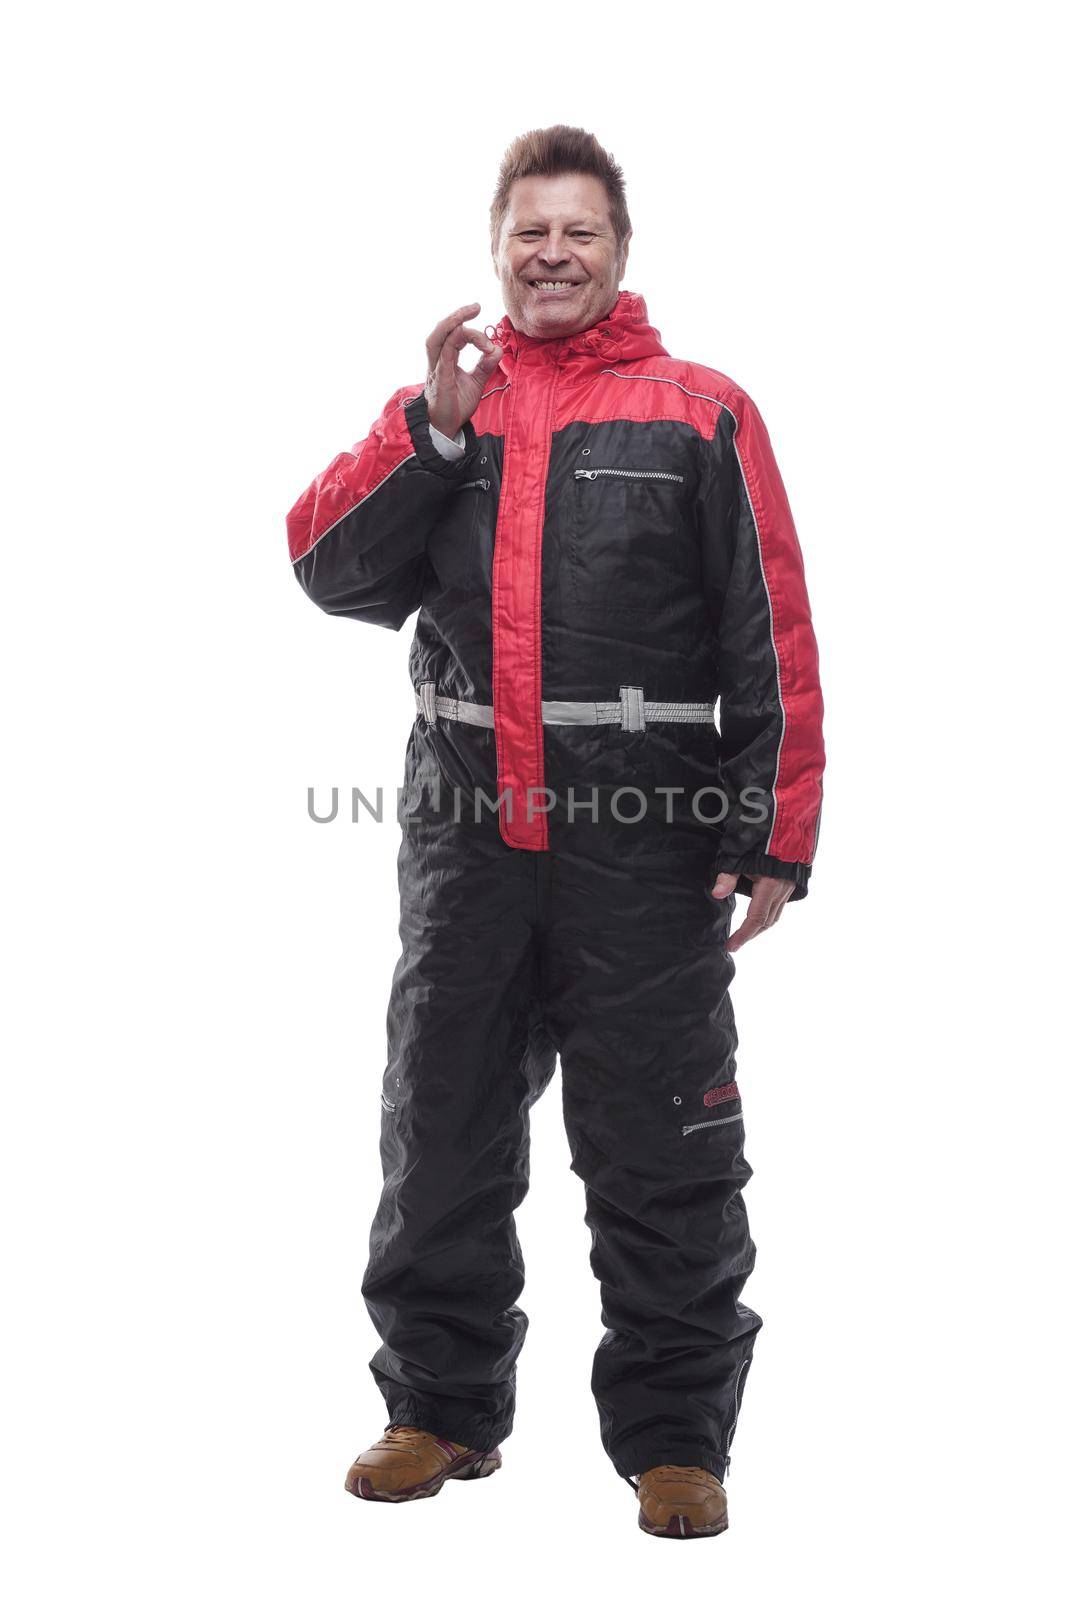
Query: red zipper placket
{"type": "Point", "coordinates": [501, 551]}
{"type": "Point", "coordinates": [550, 413]}
{"type": "Point", "coordinates": [519, 730]}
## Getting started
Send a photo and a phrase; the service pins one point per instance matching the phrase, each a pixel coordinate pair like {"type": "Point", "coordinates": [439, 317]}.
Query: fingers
{"type": "Point", "coordinates": [781, 900]}
{"type": "Point", "coordinates": [437, 338]}
{"type": "Point", "coordinates": [464, 335]}
{"type": "Point", "coordinates": [451, 392]}
{"type": "Point", "coordinates": [753, 925]}
{"type": "Point", "coordinates": [486, 366]}
{"type": "Point", "coordinates": [724, 885]}
{"type": "Point", "coordinates": [450, 336]}
{"type": "Point", "coordinates": [769, 897]}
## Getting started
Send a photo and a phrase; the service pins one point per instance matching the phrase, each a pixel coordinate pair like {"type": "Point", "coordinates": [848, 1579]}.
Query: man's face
{"type": "Point", "coordinates": [558, 230]}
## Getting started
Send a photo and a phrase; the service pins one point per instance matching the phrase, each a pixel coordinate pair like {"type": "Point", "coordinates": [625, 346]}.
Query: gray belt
{"type": "Point", "coordinates": [631, 710]}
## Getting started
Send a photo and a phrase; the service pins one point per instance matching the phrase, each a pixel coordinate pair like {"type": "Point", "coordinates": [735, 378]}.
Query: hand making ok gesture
{"type": "Point", "coordinates": [452, 394]}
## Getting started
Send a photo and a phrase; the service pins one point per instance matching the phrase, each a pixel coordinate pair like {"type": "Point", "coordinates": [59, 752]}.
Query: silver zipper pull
{"type": "Point", "coordinates": [584, 472]}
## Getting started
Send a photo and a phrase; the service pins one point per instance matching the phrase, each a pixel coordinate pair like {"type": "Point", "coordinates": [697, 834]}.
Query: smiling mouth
{"type": "Point", "coordinates": [552, 285]}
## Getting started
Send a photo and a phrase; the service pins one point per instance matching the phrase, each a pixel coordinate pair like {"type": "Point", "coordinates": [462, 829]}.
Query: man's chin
{"type": "Point", "coordinates": [546, 321]}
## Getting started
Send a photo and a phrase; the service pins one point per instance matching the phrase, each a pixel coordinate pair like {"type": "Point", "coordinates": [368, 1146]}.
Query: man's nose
{"type": "Point", "coordinates": [553, 251]}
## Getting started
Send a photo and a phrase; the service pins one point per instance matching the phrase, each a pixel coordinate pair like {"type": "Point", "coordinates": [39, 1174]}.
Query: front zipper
{"type": "Point", "coordinates": [474, 483]}
{"type": "Point", "coordinates": [625, 472]}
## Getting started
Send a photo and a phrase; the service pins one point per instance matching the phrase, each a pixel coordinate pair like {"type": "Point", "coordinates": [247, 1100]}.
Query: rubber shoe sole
{"type": "Point", "coordinates": [683, 1527]}
{"type": "Point", "coordinates": [477, 1464]}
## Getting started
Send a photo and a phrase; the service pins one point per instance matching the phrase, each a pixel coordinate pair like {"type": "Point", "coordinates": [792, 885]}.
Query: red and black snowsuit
{"type": "Point", "coordinates": [611, 558]}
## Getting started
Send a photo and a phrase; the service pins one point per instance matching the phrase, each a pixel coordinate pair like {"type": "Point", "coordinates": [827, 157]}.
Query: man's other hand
{"type": "Point", "coordinates": [769, 896]}
{"type": "Point", "coordinates": [452, 395]}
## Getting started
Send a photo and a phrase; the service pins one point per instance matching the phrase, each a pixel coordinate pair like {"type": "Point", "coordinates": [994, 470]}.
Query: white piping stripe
{"type": "Point", "coordinates": [362, 501]}
{"type": "Point", "coordinates": [649, 377]}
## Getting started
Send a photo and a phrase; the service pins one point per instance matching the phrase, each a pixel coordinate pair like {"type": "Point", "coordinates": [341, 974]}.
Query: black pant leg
{"type": "Point", "coordinates": [466, 1059]}
{"type": "Point", "coordinates": [637, 997]}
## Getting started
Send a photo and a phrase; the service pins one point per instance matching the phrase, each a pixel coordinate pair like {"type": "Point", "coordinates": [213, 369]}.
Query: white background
{"type": "Point", "coordinates": [231, 228]}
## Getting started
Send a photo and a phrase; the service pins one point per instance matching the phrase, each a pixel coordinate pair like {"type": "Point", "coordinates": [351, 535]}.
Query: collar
{"type": "Point", "coordinates": [624, 334]}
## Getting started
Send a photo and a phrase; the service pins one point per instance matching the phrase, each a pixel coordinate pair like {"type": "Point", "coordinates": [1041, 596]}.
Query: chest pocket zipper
{"type": "Point", "coordinates": [626, 472]}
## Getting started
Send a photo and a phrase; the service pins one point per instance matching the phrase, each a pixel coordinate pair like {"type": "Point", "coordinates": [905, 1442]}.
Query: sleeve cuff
{"type": "Point", "coordinates": [760, 866]}
{"type": "Point", "coordinates": [451, 449]}
{"type": "Point", "coordinates": [416, 411]}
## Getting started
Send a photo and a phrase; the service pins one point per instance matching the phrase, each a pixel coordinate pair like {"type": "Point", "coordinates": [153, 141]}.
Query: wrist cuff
{"type": "Point", "coordinates": [762, 866]}
{"type": "Point", "coordinates": [416, 411]}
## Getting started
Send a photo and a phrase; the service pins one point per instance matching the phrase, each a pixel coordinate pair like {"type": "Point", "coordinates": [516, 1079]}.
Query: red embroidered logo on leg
{"type": "Point", "coordinates": [725, 1091]}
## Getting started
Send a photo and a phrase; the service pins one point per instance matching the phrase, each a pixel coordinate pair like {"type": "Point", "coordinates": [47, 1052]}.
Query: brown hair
{"type": "Point", "coordinates": [550, 152]}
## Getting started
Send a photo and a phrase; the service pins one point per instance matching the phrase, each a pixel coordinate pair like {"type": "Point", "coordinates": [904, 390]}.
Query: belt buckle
{"type": "Point", "coordinates": [428, 698]}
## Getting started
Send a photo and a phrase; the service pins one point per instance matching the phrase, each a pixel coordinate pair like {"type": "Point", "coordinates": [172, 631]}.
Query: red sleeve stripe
{"type": "Point", "coordinates": [797, 788]}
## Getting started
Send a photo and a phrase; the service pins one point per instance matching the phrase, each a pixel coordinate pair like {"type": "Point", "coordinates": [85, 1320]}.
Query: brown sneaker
{"type": "Point", "coordinates": [411, 1464]}
{"type": "Point", "coordinates": [681, 1503]}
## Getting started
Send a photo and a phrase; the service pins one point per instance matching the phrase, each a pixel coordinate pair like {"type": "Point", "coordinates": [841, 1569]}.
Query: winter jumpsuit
{"type": "Point", "coordinates": [610, 559]}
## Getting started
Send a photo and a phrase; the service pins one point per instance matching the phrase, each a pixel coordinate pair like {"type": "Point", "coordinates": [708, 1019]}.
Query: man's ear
{"type": "Point", "coordinates": [625, 253]}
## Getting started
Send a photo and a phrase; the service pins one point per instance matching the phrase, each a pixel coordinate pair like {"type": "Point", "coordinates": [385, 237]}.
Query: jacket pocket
{"type": "Point", "coordinates": [451, 544]}
{"type": "Point", "coordinates": [627, 549]}
{"type": "Point", "coordinates": [480, 543]}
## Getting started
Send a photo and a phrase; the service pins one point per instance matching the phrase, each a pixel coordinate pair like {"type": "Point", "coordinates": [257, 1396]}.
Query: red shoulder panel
{"type": "Point", "coordinates": [352, 476]}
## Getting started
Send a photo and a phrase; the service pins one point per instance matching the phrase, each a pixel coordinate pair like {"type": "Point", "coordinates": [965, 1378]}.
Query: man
{"type": "Point", "coordinates": [598, 543]}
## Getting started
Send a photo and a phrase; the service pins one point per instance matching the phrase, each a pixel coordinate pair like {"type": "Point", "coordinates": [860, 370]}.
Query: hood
{"type": "Point", "coordinates": [623, 335]}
